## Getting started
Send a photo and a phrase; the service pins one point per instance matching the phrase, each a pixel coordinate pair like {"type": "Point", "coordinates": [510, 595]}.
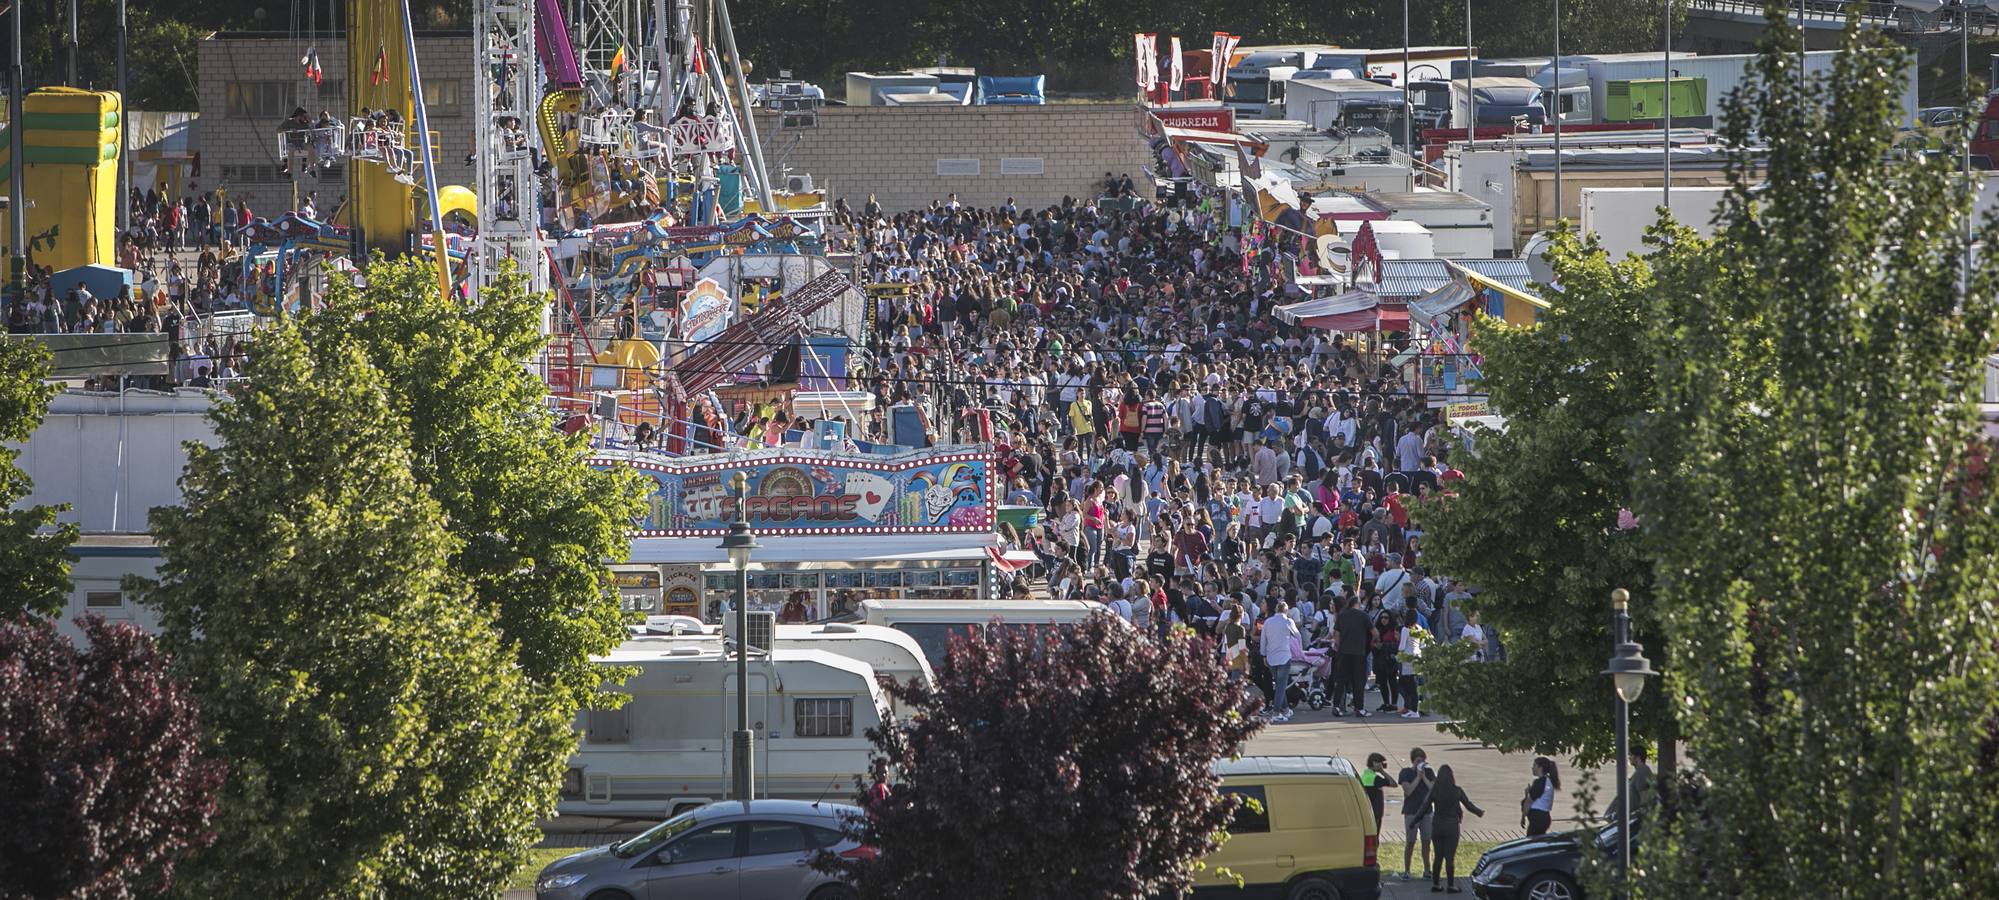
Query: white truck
{"type": "Point", "coordinates": [1348, 104]}
{"type": "Point", "coordinates": [1258, 78]}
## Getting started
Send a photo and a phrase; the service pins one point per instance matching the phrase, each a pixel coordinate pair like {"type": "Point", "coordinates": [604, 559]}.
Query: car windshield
{"type": "Point", "coordinates": [652, 837]}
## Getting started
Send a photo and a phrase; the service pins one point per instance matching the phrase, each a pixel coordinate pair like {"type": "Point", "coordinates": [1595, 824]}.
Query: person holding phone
{"type": "Point", "coordinates": [1416, 780]}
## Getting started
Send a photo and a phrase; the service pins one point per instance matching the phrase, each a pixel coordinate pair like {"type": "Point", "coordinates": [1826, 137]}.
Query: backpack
{"type": "Point", "coordinates": [1214, 415]}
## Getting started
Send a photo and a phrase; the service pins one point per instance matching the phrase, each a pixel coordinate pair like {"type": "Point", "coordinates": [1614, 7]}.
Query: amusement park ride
{"type": "Point", "coordinates": [627, 176]}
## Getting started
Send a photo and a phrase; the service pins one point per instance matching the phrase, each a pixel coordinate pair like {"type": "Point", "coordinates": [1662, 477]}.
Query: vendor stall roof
{"type": "Point", "coordinates": [816, 549]}
{"type": "Point", "coordinates": [1405, 278]}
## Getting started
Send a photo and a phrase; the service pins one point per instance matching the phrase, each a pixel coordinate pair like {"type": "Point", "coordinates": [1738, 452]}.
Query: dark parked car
{"type": "Point", "coordinates": [722, 851]}
{"type": "Point", "coordinates": [1542, 867]}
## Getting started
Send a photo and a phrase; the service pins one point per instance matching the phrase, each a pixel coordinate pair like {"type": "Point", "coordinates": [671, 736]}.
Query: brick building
{"type": "Point", "coordinates": [251, 80]}
{"type": "Point", "coordinates": [908, 156]}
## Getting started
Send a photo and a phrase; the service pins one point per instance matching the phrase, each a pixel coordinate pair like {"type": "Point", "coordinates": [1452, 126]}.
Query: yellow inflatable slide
{"type": "Point", "coordinates": [71, 166]}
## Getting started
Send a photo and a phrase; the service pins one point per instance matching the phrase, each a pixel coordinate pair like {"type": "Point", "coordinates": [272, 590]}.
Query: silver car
{"type": "Point", "coordinates": [761, 850]}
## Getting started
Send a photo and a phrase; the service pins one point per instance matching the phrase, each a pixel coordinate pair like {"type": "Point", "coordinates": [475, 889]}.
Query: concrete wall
{"type": "Point", "coordinates": [895, 152]}
{"type": "Point", "coordinates": [237, 141]}
{"type": "Point", "coordinates": [112, 460]}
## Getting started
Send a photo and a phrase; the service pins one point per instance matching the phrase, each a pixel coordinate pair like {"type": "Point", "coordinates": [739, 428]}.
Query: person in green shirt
{"type": "Point", "coordinates": [1374, 779]}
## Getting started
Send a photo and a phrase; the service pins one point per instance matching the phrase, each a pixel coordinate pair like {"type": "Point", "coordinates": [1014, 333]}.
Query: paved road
{"type": "Point", "coordinates": [1492, 779]}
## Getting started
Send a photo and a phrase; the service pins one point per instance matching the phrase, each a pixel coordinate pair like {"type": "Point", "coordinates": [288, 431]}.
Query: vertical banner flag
{"type": "Point", "coordinates": [1175, 73]}
{"type": "Point", "coordinates": [1218, 64]}
{"type": "Point", "coordinates": [1147, 57]}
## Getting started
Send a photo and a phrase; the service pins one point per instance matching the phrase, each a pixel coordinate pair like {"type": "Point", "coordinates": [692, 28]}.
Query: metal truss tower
{"type": "Point", "coordinates": [509, 193]}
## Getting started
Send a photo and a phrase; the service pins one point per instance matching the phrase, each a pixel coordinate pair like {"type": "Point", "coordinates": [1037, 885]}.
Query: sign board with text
{"type": "Point", "coordinates": [793, 491]}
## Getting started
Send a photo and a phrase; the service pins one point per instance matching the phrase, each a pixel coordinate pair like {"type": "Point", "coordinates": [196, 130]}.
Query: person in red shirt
{"type": "Point", "coordinates": [1398, 509]}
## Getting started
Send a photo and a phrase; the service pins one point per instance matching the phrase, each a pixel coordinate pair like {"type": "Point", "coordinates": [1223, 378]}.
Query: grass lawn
{"type": "Point", "coordinates": [538, 858]}
{"type": "Point", "coordinates": [1391, 859]}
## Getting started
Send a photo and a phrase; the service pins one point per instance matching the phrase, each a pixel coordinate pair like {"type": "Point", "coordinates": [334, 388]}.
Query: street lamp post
{"type": "Point", "coordinates": [1555, 111]}
{"type": "Point", "coordinates": [1628, 670]}
{"type": "Point", "coordinates": [739, 543]}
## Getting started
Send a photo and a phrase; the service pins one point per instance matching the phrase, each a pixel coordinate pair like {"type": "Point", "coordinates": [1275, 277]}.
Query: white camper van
{"type": "Point", "coordinates": [933, 622]}
{"type": "Point", "coordinates": [667, 749]}
{"type": "Point", "coordinates": [892, 653]}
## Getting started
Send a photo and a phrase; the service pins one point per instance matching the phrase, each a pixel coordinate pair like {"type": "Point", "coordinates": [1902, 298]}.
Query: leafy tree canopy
{"type": "Point", "coordinates": [1536, 521]}
{"type": "Point", "coordinates": [34, 551]}
{"type": "Point", "coordinates": [102, 771]}
{"type": "Point", "coordinates": [1046, 764]}
{"type": "Point", "coordinates": [533, 524]}
{"type": "Point", "coordinates": [1817, 496]}
{"type": "Point", "coordinates": [381, 741]}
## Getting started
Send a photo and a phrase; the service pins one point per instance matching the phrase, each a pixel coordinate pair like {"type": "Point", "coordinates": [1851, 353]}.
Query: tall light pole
{"type": "Point", "coordinates": [17, 197]}
{"type": "Point", "coordinates": [1666, 114]}
{"type": "Point", "coordinates": [124, 139]}
{"type": "Point", "coordinates": [1557, 112]}
{"type": "Point", "coordinates": [1628, 670]}
{"type": "Point", "coordinates": [1471, 95]}
{"type": "Point", "coordinates": [70, 81]}
{"type": "Point", "coordinates": [739, 543]}
{"type": "Point", "coordinates": [1408, 112]}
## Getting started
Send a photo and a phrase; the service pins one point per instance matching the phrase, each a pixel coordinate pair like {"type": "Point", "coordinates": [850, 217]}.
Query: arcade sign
{"type": "Point", "coordinates": [794, 492]}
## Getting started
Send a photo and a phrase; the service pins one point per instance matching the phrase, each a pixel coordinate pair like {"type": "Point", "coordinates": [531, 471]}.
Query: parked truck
{"type": "Point", "coordinates": [1630, 87]}
{"type": "Point", "coordinates": [1257, 78]}
{"type": "Point", "coordinates": [1348, 104]}
{"type": "Point", "coordinates": [1498, 102]}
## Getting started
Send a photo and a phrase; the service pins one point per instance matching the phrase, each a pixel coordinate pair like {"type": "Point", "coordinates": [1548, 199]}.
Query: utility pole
{"type": "Point", "coordinates": [71, 80]}
{"type": "Point", "coordinates": [124, 132]}
{"type": "Point", "coordinates": [17, 200]}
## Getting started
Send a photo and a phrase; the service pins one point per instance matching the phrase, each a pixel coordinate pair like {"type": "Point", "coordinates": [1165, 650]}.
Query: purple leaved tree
{"type": "Point", "coordinates": [1045, 763]}
{"type": "Point", "coordinates": [102, 777]}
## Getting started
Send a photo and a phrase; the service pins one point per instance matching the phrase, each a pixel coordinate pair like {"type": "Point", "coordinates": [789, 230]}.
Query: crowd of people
{"type": "Point", "coordinates": [183, 275]}
{"type": "Point", "coordinates": [1194, 459]}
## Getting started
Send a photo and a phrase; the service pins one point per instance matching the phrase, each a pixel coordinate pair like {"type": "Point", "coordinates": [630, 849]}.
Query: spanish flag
{"type": "Point", "coordinates": [618, 61]}
{"type": "Point", "coordinates": [380, 73]}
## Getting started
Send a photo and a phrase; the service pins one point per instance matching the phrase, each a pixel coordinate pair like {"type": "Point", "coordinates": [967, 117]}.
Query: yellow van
{"type": "Point", "coordinates": [1313, 839]}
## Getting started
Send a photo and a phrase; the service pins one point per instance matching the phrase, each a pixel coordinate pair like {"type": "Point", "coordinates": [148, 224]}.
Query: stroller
{"type": "Point", "coordinates": [1311, 674]}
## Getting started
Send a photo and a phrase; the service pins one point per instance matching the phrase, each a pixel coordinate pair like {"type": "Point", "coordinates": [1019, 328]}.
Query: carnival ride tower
{"type": "Point", "coordinates": [505, 106]}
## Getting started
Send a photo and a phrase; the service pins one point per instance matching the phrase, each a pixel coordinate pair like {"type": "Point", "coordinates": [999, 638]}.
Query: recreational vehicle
{"type": "Point", "coordinates": [932, 622]}
{"type": "Point", "coordinates": [667, 748]}
{"type": "Point", "coordinates": [891, 653]}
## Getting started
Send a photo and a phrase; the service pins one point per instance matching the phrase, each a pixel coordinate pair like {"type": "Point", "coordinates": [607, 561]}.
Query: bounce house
{"type": "Point", "coordinates": [70, 163]}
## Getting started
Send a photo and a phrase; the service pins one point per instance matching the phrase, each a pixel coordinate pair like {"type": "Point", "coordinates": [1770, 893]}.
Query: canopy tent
{"type": "Point", "coordinates": [1351, 311]}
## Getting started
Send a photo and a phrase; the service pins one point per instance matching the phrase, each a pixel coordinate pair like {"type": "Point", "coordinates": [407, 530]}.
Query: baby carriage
{"type": "Point", "coordinates": [1311, 674]}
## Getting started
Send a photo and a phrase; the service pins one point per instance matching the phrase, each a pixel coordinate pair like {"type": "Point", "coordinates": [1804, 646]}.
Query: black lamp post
{"type": "Point", "coordinates": [1628, 670]}
{"type": "Point", "coordinates": [739, 543]}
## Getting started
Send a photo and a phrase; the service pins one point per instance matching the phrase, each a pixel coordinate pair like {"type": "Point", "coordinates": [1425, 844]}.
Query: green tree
{"type": "Point", "coordinates": [1087, 754]}
{"type": "Point", "coordinates": [34, 550]}
{"type": "Point", "coordinates": [1535, 522]}
{"type": "Point", "coordinates": [534, 524]}
{"type": "Point", "coordinates": [381, 741]}
{"type": "Point", "coordinates": [1815, 486]}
